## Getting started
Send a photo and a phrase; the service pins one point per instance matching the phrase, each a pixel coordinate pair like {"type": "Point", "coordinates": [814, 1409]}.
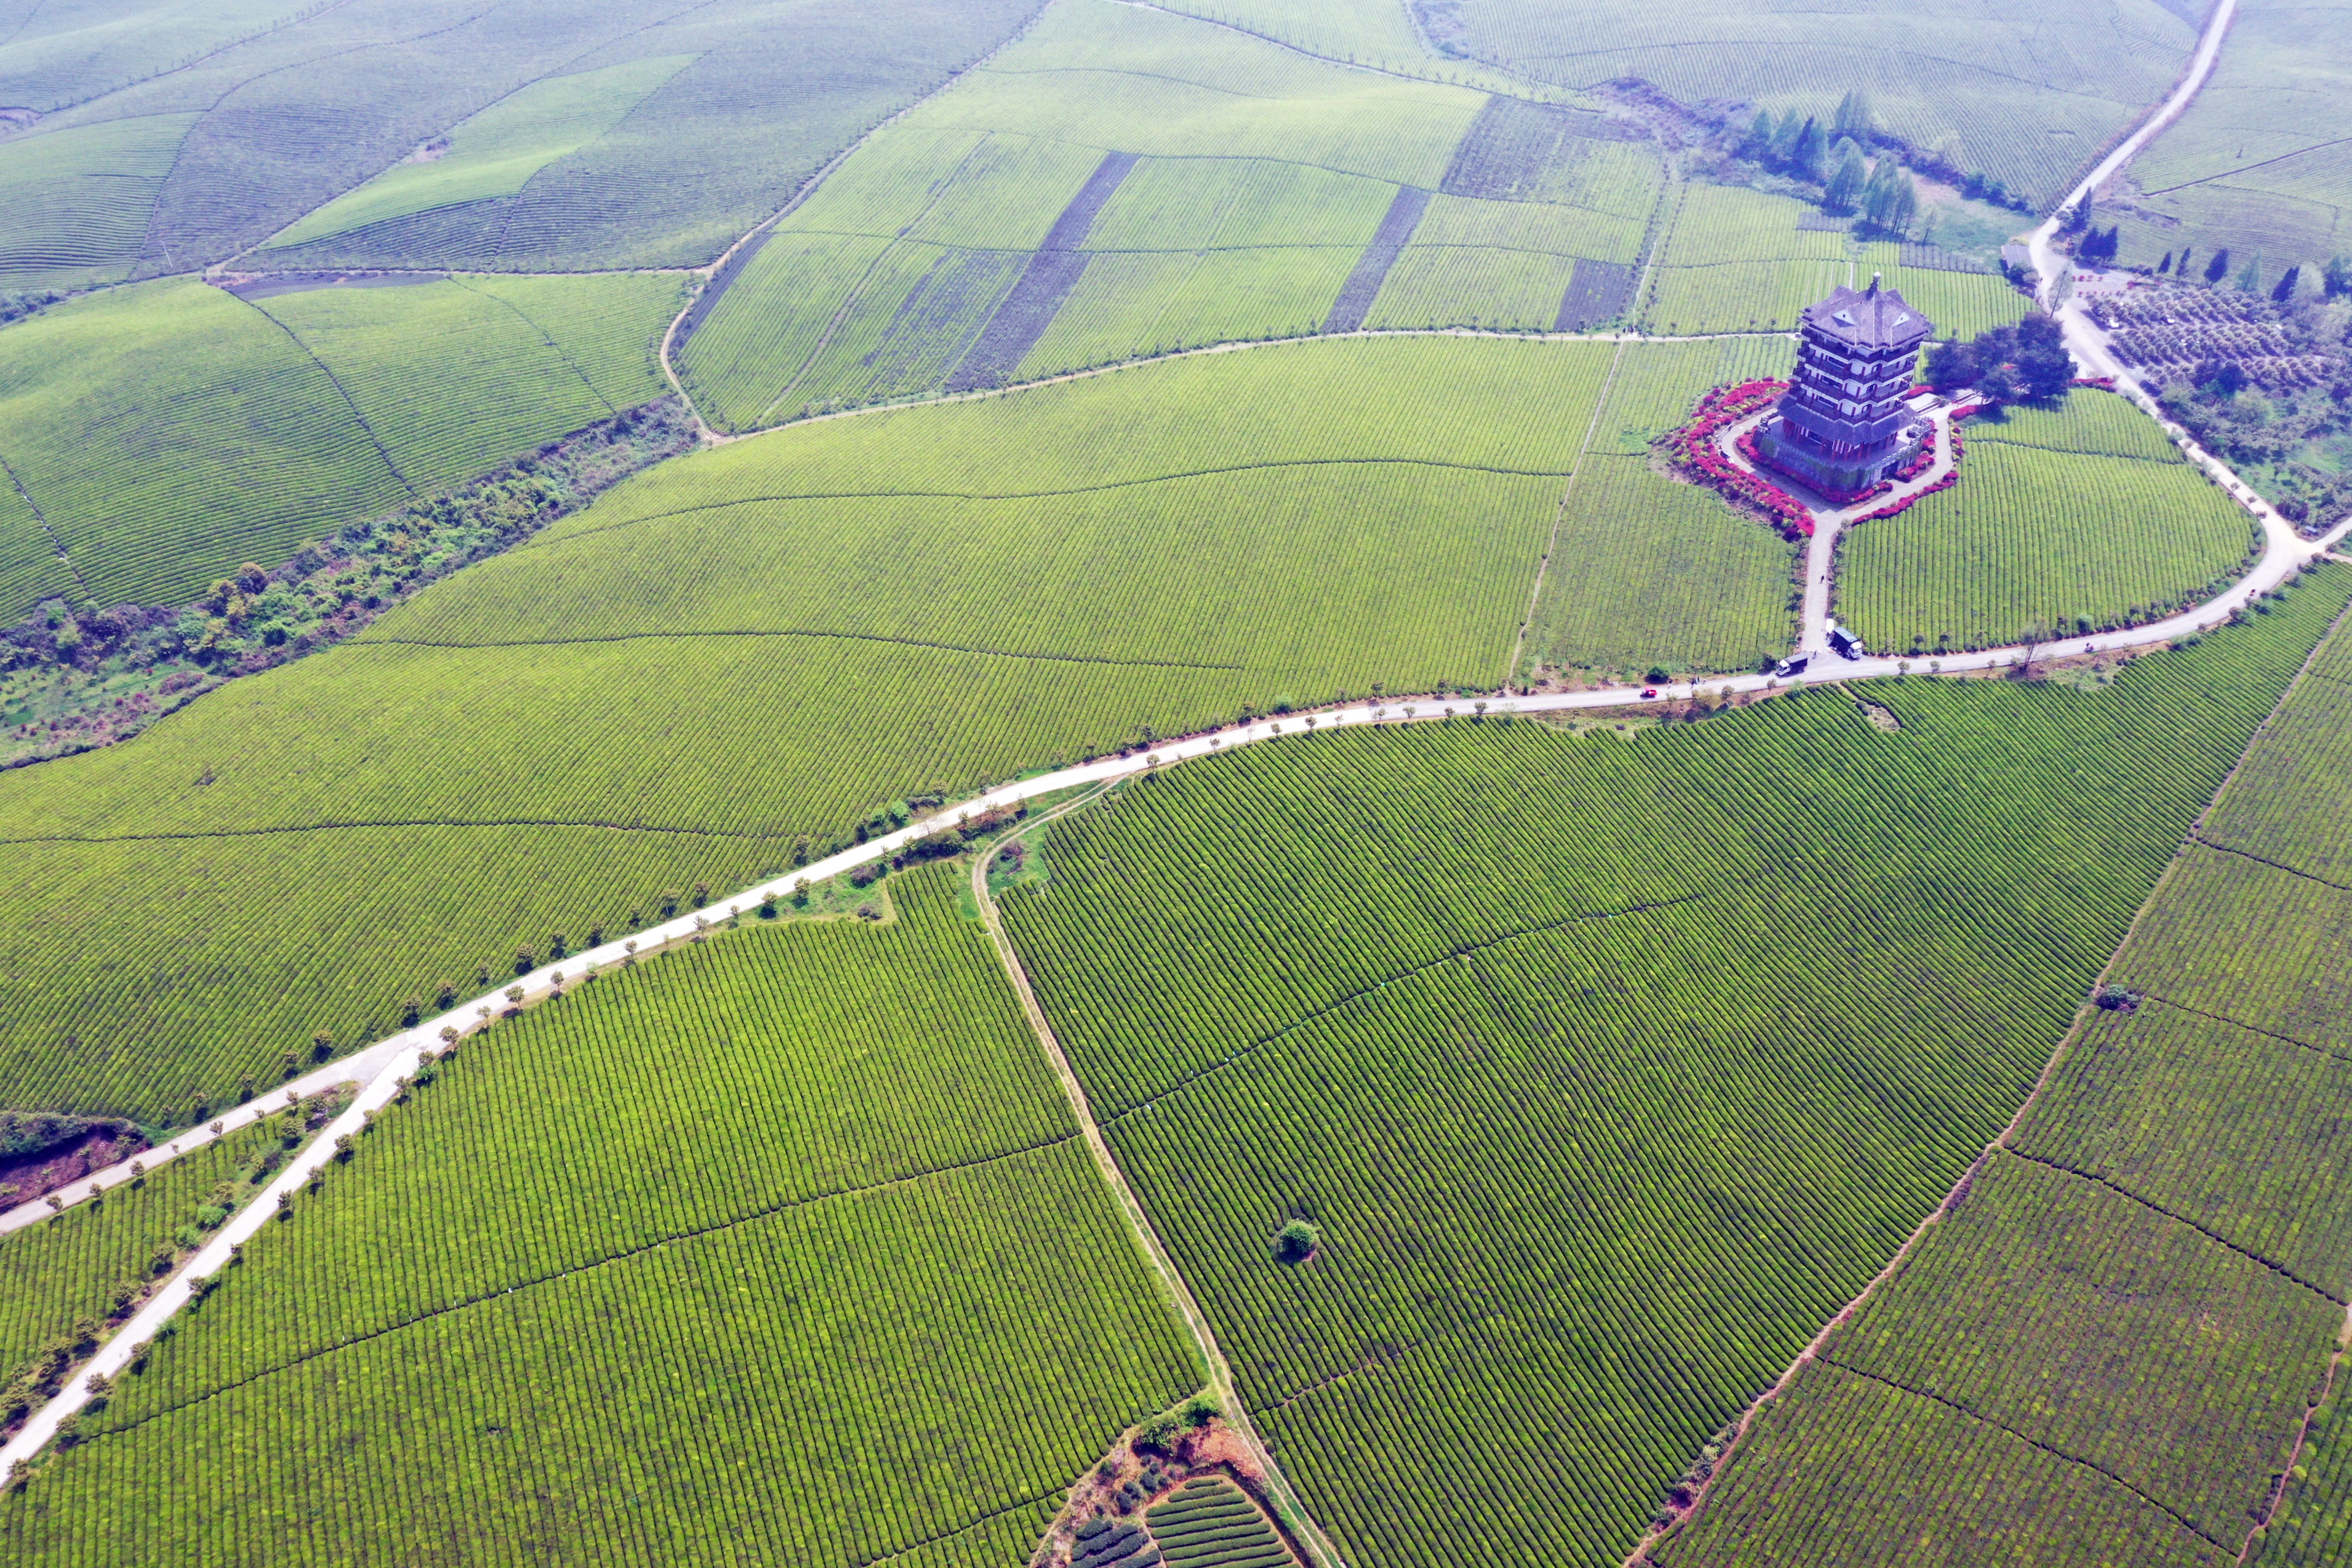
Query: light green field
{"type": "Point", "coordinates": [758, 643]}
{"type": "Point", "coordinates": [497, 152]}
{"type": "Point", "coordinates": [793, 1232]}
{"type": "Point", "coordinates": [1646, 570]}
{"type": "Point", "coordinates": [2082, 518]}
{"type": "Point", "coordinates": [1372, 31]}
{"type": "Point", "coordinates": [171, 432]}
{"type": "Point", "coordinates": [2106, 1348]}
{"type": "Point", "coordinates": [73, 205]}
{"type": "Point", "coordinates": [1734, 260]}
{"type": "Point", "coordinates": [1262, 175]}
{"type": "Point", "coordinates": [1608, 1070]}
{"type": "Point", "coordinates": [591, 134]}
{"type": "Point", "coordinates": [2259, 163]}
{"type": "Point", "coordinates": [2024, 92]}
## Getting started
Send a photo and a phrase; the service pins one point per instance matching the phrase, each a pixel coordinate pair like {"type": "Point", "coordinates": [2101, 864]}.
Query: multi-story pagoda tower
{"type": "Point", "coordinates": [1843, 423]}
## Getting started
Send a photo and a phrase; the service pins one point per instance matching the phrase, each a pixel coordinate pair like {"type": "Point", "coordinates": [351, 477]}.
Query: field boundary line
{"type": "Point", "coordinates": [1983, 1419]}
{"type": "Point", "coordinates": [1559, 512]}
{"type": "Point", "coordinates": [1469, 950]}
{"type": "Point", "coordinates": [817, 636]}
{"type": "Point", "coordinates": [336, 382]}
{"type": "Point", "coordinates": [1072, 490]}
{"type": "Point", "coordinates": [716, 268]}
{"type": "Point", "coordinates": [2241, 1024]}
{"type": "Point", "coordinates": [55, 543]}
{"type": "Point", "coordinates": [1639, 1557]}
{"type": "Point", "coordinates": [536, 1280]}
{"type": "Point", "coordinates": [1287, 1501]}
{"type": "Point", "coordinates": [524, 316]}
{"type": "Point", "coordinates": [2248, 1252]}
{"type": "Point", "coordinates": [2265, 860]}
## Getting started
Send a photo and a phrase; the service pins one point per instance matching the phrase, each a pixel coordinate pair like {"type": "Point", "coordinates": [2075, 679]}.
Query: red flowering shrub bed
{"type": "Point", "coordinates": [1693, 446]}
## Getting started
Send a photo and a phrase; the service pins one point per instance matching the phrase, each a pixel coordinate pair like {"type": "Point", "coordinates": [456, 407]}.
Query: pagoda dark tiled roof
{"type": "Point", "coordinates": [1872, 318]}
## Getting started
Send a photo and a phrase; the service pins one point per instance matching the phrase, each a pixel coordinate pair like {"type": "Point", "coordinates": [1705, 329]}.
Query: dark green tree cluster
{"type": "Point", "coordinates": [2027, 361]}
{"type": "Point", "coordinates": [1851, 183]}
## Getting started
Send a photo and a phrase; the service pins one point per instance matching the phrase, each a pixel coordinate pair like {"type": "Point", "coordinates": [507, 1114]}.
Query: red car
{"type": "Point", "coordinates": [1648, 692]}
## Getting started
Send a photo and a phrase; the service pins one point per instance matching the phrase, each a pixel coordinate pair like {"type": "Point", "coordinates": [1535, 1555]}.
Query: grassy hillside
{"type": "Point", "coordinates": [2258, 164]}
{"type": "Point", "coordinates": [761, 643]}
{"type": "Point", "coordinates": [2082, 517]}
{"type": "Point", "coordinates": [2105, 1349]}
{"type": "Point", "coordinates": [584, 134]}
{"type": "Point", "coordinates": [170, 432]}
{"type": "Point", "coordinates": [1607, 1070]}
{"type": "Point", "coordinates": [793, 1231]}
{"type": "Point", "coordinates": [2023, 92]}
{"type": "Point", "coordinates": [1124, 182]}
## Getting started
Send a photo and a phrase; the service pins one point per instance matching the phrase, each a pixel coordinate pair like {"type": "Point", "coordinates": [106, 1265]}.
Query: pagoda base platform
{"type": "Point", "coordinates": [1838, 477]}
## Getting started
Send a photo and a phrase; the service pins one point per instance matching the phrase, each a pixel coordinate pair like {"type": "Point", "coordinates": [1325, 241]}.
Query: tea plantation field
{"type": "Point", "coordinates": [74, 203]}
{"type": "Point", "coordinates": [1606, 1069]}
{"type": "Point", "coordinates": [2082, 518]}
{"type": "Point", "coordinates": [797, 1254]}
{"type": "Point", "coordinates": [170, 432]}
{"type": "Point", "coordinates": [577, 134]}
{"type": "Point", "coordinates": [1644, 569]}
{"type": "Point", "coordinates": [2022, 92]}
{"type": "Point", "coordinates": [2104, 1351]}
{"type": "Point", "coordinates": [1734, 260]}
{"type": "Point", "coordinates": [2258, 163]}
{"type": "Point", "coordinates": [1125, 182]}
{"type": "Point", "coordinates": [759, 644]}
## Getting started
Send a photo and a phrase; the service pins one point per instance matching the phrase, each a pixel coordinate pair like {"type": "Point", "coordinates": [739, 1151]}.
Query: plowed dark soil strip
{"type": "Point", "coordinates": [1045, 283]}
{"type": "Point", "coordinates": [1363, 285]}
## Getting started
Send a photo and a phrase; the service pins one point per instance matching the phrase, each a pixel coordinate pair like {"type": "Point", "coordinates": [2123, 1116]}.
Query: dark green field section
{"type": "Point", "coordinates": [1607, 1068]}
{"type": "Point", "coordinates": [170, 432]}
{"type": "Point", "coordinates": [784, 1247]}
{"type": "Point", "coordinates": [516, 135]}
{"type": "Point", "coordinates": [2081, 517]}
{"type": "Point", "coordinates": [2105, 1349]}
{"type": "Point", "coordinates": [1124, 182]}
{"type": "Point", "coordinates": [2023, 92]}
{"type": "Point", "coordinates": [1209, 1523]}
{"type": "Point", "coordinates": [754, 646]}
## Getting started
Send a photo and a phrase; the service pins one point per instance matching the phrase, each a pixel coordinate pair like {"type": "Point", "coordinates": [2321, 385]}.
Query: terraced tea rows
{"type": "Point", "coordinates": [2104, 1348]}
{"type": "Point", "coordinates": [580, 134]}
{"type": "Point", "coordinates": [2054, 522]}
{"type": "Point", "coordinates": [1126, 181]}
{"type": "Point", "coordinates": [168, 433]}
{"type": "Point", "coordinates": [1209, 1523]}
{"type": "Point", "coordinates": [1734, 260]}
{"type": "Point", "coordinates": [865, 610]}
{"type": "Point", "coordinates": [1646, 569]}
{"type": "Point", "coordinates": [73, 205]}
{"type": "Point", "coordinates": [1605, 1071]}
{"type": "Point", "coordinates": [811, 1203]}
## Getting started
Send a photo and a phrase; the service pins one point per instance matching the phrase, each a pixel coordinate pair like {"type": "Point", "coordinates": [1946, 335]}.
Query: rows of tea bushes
{"type": "Point", "coordinates": [2106, 1347]}
{"type": "Point", "coordinates": [1606, 1069]}
{"type": "Point", "coordinates": [1646, 570]}
{"type": "Point", "coordinates": [2077, 539]}
{"type": "Point", "coordinates": [73, 205]}
{"type": "Point", "coordinates": [507, 757]}
{"type": "Point", "coordinates": [782, 1243]}
{"type": "Point", "coordinates": [1209, 1523]}
{"type": "Point", "coordinates": [169, 433]}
